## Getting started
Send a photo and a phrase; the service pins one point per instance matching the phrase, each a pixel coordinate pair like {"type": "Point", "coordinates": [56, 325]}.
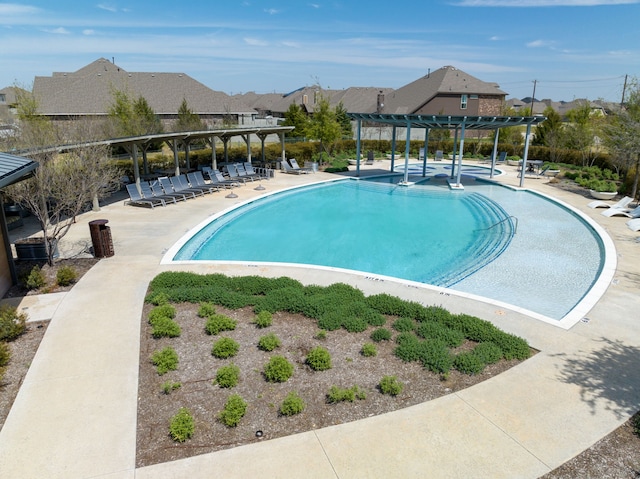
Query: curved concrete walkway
{"type": "Point", "coordinates": [75, 414]}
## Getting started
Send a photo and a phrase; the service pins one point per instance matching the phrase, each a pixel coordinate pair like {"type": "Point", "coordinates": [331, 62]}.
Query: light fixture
{"type": "Point", "coordinates": [231, 195]}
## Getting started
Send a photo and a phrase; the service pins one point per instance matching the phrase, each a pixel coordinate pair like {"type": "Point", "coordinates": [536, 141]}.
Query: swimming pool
{"type": "Point", "coordinates": [463, 240]}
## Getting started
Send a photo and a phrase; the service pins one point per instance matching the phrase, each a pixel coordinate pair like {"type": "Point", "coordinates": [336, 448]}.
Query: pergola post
{"type": "Point", "coordinates": [214, 160]}
{"type": "Point", "coordinates": [407, 147]}
{"type": "Point", "coordinates": [526, 154]}
{"type": "Point", "coordinates": [426, 152]}
{"type": "Point", "coordinates": [284, 155]}
{"type": "Point", "coordinates": [460, 156]}
{"type": "Point", "coordinates": [187, 161]}
{"type": "Point", "coordinates": [134, 157]}
{"type": "Point", "coordinates": [262, 137]}
{"type": "Point", "coordinates": [247, 140]}
{"type": "Point", "coordinates": [393, 148]}
{"type": "Point", "coordinates": [176, 162]}
{"type": "Point", "coordinates": [455, 149]}
{"type": "Point", "coordinates": [358, 150]}
{"type": "Point", "coordinates": [495, 152]}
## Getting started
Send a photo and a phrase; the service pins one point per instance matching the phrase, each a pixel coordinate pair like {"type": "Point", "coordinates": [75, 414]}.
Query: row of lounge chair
{"type": "Point", "coordinates": [620, 208]}
{"type": "Point", "coordinates": [167, 190]}
{"type": "Point", "coordinates": [291, 166]}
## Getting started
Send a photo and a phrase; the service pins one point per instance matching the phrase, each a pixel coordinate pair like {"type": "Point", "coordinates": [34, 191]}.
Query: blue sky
{"type": "Point", "coordinates": [572, 48]}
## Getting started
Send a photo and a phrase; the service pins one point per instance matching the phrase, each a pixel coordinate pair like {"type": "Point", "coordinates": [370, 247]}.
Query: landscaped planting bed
{"type": "Point", "coordinates": [261, 358]}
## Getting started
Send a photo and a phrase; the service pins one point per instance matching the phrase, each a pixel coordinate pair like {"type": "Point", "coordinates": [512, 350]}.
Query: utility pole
{"type": "Point", "coordinates": [624, 89]}
{"type": "Point", "coordinates": [533, 98]}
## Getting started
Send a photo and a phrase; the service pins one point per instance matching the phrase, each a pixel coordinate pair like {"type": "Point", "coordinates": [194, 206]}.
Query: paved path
{"type": "Point", "coordinates": [75, 415]}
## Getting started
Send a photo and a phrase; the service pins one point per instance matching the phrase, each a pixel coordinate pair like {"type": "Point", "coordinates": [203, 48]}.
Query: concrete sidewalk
{"type": "Point", "coordinates": [75, 414]}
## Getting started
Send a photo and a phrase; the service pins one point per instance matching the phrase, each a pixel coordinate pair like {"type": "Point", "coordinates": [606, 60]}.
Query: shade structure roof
{"type": "Point", "coordinates": [448, 122]}
{"type": "Point", "coordinates": [14, 168]}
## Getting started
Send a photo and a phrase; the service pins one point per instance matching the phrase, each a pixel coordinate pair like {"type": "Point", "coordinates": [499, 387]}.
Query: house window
{"type": "Point", "coordinates": [463, 102]}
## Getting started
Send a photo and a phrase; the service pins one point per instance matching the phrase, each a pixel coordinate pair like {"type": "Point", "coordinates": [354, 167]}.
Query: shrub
{"type": "Point", "coordinates": [469, 363]}
{"type": "Point", "coordinates": [165, 360]}
{"type": "Point", "coordinates": [278, 369]}
{"type": "Point", "coordinates": [435, 356]}
{"type": "Point", "coordinates": [354, 324]}
{"type": "Point", "coordinates": [403, 324]}
{"type": "Point", "coordinates": [66, 275]}
{"type": "Point", "coordinates": [234, 410]}
{"type": "Point", "coordinates": [322, 335]}
{"type": "Point", "coordinates": [488, 352]}
{"type": "Point", "coordinates": [264, 319]}
{"type": "Point", "coordinates": [319, 359]}
{"type": "Point", "coordinates": [35, 279]}
{"type": "Point", "coordinates": [225, 348]}
{"type": "Point", "coordinates": [12, 323]}
{"type": "Point", "coordinates": [330, 321]}
{"type": "Point", "coordinates": [182, 425]}
{"type": "Point", "coordinates": [431, 330]}
{"type": "Point", "coordinates": [158, 299]}
{"type": "Point", "coordinates": [269, 342]}
{"type": "Point", "coordinates": [369, 350]}
{"type": "Point", "coordinates": [381, 334]}
{"type": "Point", "coordinates": [635, 424]}
{"type": "Point", "coordinates": [164, 327]}
{"type": "Point", "coordinates": [5, 354]}
{"type": "Point", "coordinates": [292, 404]}
{"type": "Point", "coordinates": [206, 310]}
{"type": "Point", "coordinates": [164, 310]}
{"type": "Point", "coordinates": [169, 386]}
{"type": "Point", "coordinates": [437, 314]}
{"type": "Point", "coordinates": [390, 385]}
{"type": "Point", "coordinates": [513, 347]}
{"type": "Point", "coordinates": [386, 304]}
{"type": "Point", "coordinates": [227, 376]}
{"type": "Point", "coordinates": [219, 322]}
{"type": "Point", "coordinates": [337, 394]}
{"type": "Point", "coordinates": [408, 347]}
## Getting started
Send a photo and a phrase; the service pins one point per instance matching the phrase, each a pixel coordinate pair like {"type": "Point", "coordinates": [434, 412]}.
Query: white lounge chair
{"type": "Point", "coordinates": [634, 224]}
{"type": "Point", "coordinates": [287, 168]}
{"type": "Point", "coordinates": [623, 203]}
{"type": "Point", "coordinates": [295, 166]}
{"type": "Point", "coordinates": [628, 212]}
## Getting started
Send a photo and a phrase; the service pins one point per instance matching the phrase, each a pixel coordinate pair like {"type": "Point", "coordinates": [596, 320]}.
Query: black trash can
{"type": "Point", "coordinates": [101, 238]}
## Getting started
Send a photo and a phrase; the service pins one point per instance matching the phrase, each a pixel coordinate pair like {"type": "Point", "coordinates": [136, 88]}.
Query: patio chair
{"type": "Point", "coordinates": [149, 192]}
{"type": "Point", "coordinates": [634, 224]}
{"type": "Point", "coordinates": [181, 185]}
{"type": "Point", "coordinates": [136, 199]}
{"type": "Point", "coordinates": [219, 180]}
{"type": "Point", "coordinates": [623, 203]}
{"type": "Point", "coordinates": [232, 171]}
{"type": "Point", "coordinates": [197, 180]}
{"type": "Point", "coordinates": [439, 155]}
{"type": "Point", "coordinates": [288, 169]}
{"type": "Point", "coordinates": [248, 167]}
{"type": "Point", "coordinates": [295, 166]}
{"type": "Point", "coordinates": [628, 212]}
{"type": "Point", "coordinates": [243, 173]}
{"type": "Point", "coordinates": [169, 189]}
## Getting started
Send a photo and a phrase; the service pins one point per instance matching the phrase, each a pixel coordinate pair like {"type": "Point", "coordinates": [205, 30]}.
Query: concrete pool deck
{"type": "Point", "coordinates": [75, 414]}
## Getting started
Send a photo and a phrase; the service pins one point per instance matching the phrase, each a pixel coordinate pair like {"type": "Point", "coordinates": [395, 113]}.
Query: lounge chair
{"type": "Point", "coordinates": [232, 171]}
{"type": "Point", "coordinates": [634, 224]}
{"type": "Point", "coordinates": [623, 203]}
{"type": "Point", "coordinates": [152, 192]}
{"type": "Point", "coordinates": [197, 180]}
{"type": "Point", "coordinates": [136, 199]}
{"type": "Point", "coordinates": [181, 185]}
{"type": "Point", "coordinates": [628, 212]}
{"type": "Point", "coordinates": [168, 189]}
{"type": "Point", "coordinates": [439, 155]}
{"type": "Point", "coordinates": [295, 166]}
{"type": "Point", "coordinates": [288, 169]}
{"type": "Point", "coordinates": [243, 173]}
{"type": "Point", "coordinates": [263, 175]}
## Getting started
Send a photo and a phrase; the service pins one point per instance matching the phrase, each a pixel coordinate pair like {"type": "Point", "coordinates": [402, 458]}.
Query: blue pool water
{"type": "Point", "coordinates": [464, 240]}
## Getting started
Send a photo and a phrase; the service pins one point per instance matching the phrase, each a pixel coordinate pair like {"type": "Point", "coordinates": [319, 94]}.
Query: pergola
{"type": "Point", "coordinates": [136, 144]}
{"type": "Point", "coordinates": [460, 124]}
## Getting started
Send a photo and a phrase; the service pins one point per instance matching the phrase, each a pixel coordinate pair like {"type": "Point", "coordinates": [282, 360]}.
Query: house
{"type": "Point", "coordinates": [446, 91]}
{"type": "Point", "coordinates": [87, 93]}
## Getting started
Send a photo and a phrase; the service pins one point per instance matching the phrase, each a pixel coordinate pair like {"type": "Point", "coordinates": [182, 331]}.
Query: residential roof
{"type": "Point", "coordinates": [14, 168]}
{"type": "Point", "coordinates": [88, 91]}
{"type": "Point", "coordinates": [411, 97]}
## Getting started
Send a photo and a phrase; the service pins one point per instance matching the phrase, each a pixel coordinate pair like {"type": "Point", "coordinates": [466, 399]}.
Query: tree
{"type": "Point", "coordinates": [324, 126]}
{"type": "Point", "coordinates": [131, 117]}
{"type": "Point", "coordinates": [621, 134]}
{"type": "Point", "coordinates": [344, 121]}
{"type": "Point", "coordinates": [187, 120]}
{"type": "Point", "coordinates": [581, 132]}
{"type": "Point", "coordinates": [64, 183]}
{"type": "Point", "coordinates": [550, 133]}
{"type": "Point", "coordinates": [296, 117]}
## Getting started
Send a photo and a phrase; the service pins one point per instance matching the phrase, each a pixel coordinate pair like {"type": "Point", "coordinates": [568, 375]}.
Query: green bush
{"type": "Point", "coordinates": [225, 348]}
{"type": "Point", "coordinates": [369, 350]}
{"type": "Point", "coordinates": [408, 347]}
{"type": "Point", "coordinates": [278, 369]}
{"type": "Point", "coordinates": [432, 330]}
{"type": "Point", "coordinates": [165, 360]}
{"type": "Point", "coordinates": [322, 335]}
{"type": "Point", "coordinates": [403, 325]}
{"type": "Point", "coordinates": [390, 385]}
{"type": "Point", "coordinates": [319, 359]}
{"type": "Point", "coordinates": [35, 279]}
{"type": "Point", "coordinates": [337, 394]}
{"type": "Point", "coordinates": [12, 323]}
{"type": "Point", "coordinates": [435, 356]}
{"type": "Point", "coordinates": [5, 354]}
{"type": "Point", "coordinates": [488, 352]}
{"type": "Point", "coordinates": [219, 322]}
{"type": "Point", "coordinates": [469, 363]}
{"type": "Point", "coordinates": [206, 310]}
{"type": "Point", "coordinates": [66, 275]}
{"type": "Point", "coordinates": [234, 410]}
{"type": "Point", "coordinates": [354, 324]}
{"type": "Point", "coordinates": [169, 386]}
{"type": "Point", "coordinates": [182, 425]}
{"type": "Point", "coordinates": [164, 327]}
{"type": "Point", "coordinates": [264, 319]}
{"type": "Point", "coordinates": [158, 299]}
{"type": "Point", "coordinates": [292, 404]}
{"type": "Point", "coordinates": [381, 334]}
{"type": "Point", "coordinates": [164, 310]}
{"type": "Point", "coordinates": [635, 424]}
{"type": "Point", "coordinates": [269, 342]}
{"type": "Point", "coordinates": [227, 376]}
{"type": "Point", "coordinates": [330, 321]}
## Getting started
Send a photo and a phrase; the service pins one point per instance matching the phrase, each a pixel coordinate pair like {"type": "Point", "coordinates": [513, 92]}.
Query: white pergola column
{"type": "Point", "coordinates": [358, 146]}
{"type": "Point", "coordinates": [526, 154]}
{"type": "Point", "coordinates": [495, 152]}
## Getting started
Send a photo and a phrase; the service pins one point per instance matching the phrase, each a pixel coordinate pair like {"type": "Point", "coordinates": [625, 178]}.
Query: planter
{"type": "Point", "coordinates": [33, 249]}
{"type": "Point", "coordinates": [603, 195]}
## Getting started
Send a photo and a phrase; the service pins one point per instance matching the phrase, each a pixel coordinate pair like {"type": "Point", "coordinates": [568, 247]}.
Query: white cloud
{"type": "Point", "coordinates": [58, 31]}
{"type": "Point", "coordinates": [88, 31]}
{"type": "Point", "coordinates": [494, 38]}
{"type": "Point", "coordinates": [107, 7]}
{"type": "Point", "coordinates": [271, 11]}
{"type": "Point", "coordinates": [11, 9]}
{"type": "Point", "coordinates": [255, 42]}
{"type": "Point", "coordinates": [314, 5]}
{"type": "Point", "coordinates": [540, 44]}
{"type": "Point", "coordinates": [542, 3]}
